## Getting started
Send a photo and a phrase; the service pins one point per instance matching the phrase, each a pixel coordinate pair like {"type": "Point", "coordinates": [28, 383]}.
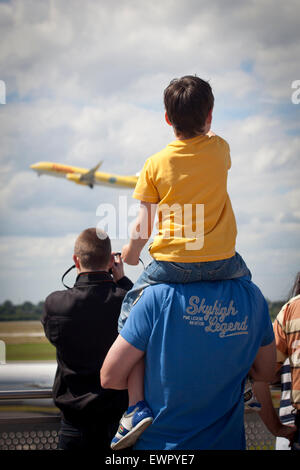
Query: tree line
{"type": "Point", "coordinates": [25, 311]}
{"type": "Point", "coordinates": [29, 311]}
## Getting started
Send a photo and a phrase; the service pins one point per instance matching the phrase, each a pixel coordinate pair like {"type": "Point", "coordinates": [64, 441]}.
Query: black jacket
{"type": "Point", "coordinates": [81, 323]}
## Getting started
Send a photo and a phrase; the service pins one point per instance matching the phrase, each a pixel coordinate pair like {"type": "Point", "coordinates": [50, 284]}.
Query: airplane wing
{"type": "Point", "coordinates": [89, 177]}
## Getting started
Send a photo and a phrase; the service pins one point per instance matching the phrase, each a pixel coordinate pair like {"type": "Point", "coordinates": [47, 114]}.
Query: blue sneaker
{"type": "Point", "coordinates": [132, 424]}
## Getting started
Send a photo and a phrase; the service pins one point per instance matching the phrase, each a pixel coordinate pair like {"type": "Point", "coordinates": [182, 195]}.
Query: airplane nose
{"type": "Point", "coordinates": [37, 166]}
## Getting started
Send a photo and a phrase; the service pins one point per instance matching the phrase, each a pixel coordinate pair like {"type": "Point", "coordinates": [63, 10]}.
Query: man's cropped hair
{"type": "Point", "coordinates": [188, 101]}
{"type": "Point", "coordinates": [93, 248]}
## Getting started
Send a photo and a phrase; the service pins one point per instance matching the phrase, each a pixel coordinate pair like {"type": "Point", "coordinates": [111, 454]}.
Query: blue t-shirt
{"type": "Point", "coordinates": [200, 341]}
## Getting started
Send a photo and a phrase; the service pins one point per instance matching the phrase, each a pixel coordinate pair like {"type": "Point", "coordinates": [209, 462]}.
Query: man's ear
{"type": "Point", "coordinates": [167, 119]}
{"type": "Point", "coordinates": [111, 262]}
{"type": "Point", "coordinates": [76, 261]}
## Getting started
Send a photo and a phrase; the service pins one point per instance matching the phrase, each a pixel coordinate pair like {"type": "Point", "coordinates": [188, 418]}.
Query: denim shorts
{"type": "Point", "coordinates": [158, 272]}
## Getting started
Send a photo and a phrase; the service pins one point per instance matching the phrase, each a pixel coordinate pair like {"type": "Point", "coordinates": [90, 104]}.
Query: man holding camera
{"type": "Point", "coordinates": [81, 322]}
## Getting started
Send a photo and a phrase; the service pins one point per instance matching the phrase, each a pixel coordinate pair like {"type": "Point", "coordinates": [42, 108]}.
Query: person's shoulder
{"type": "Point", "coordinates": [251, 287]}
{"type": "Point", "coordinates": [289, 310]}
{"type": "Point", "coordinates": [157, 157]}
{"type": "Point", "coordinates": [55, 295]}
{"type": "Point", "coordinates": [156, 293]}
{"type": "Point", "coordinates": [245, 291]}
{"type": "Point", "coordinates": [295, 301]}
{"type": "Point", "coordinates": [55, 300]}
{"type": "Point", "coordinates": [165, 287]}
{"type": "Point", "coordinates": [220, 142]}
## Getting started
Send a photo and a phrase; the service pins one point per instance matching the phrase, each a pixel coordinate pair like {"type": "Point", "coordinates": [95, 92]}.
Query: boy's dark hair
{"type": "Point", "coordinates": [93, 248]}
{"type": "Point", "coordinates": [188, 101]}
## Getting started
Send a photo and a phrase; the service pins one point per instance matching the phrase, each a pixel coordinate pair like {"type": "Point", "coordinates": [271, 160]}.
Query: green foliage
{"type": "Point", "coordinates": [275, 307]}
{"type": "Point", "coordinates": [24, 311]}
{"type": "Point", "coordinates": [30, 311]}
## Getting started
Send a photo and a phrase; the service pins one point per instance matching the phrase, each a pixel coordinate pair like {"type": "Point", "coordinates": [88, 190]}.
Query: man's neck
{"type": "Point", "coordinates": [82, 270]}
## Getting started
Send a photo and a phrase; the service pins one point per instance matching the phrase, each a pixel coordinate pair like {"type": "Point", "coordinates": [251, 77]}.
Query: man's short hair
{"type": "Point", "coordinates": [188, 101]}
{"type": "Point", "coordinates": [93, 249]}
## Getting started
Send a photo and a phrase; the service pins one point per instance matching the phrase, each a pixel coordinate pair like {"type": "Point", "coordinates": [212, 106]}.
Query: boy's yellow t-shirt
{"type": "Point", "coordinates": [188, 181]}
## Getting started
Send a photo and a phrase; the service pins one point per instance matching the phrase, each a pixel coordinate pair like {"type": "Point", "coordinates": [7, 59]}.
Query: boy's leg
{"type": "Point", "coordinates": [130, 426]}
{"type": "Point", "coordinates": [138, 415]}
{"type": "Point", "coordinates": [135, 383]}
{"type": "Point", "coordinates": [146, 278]}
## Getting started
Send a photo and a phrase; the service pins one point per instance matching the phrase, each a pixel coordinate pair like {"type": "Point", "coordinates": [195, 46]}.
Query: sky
{"type": "Point", "coordinates": [84, 83]}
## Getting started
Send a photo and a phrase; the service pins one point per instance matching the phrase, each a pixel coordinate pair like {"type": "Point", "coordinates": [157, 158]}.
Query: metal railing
{"type": "Point", "coordinates": [28, 420]}
{"type": "Point", "coordinates": [25, 394]}
{"type": "Point", "coordinates": [34, 427]}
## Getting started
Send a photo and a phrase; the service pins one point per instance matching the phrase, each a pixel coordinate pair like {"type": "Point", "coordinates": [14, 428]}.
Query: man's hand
{"type": "Point", "coordinates": [268, 413]}
{"type": "Point", "coordinates": [119, 362]}
{"type": "Point", "coordinates": [117, 268]}
{"type": "Point", "coordinates": [287, 431]}
{"type": "Point", "coordinates": [129, 255]}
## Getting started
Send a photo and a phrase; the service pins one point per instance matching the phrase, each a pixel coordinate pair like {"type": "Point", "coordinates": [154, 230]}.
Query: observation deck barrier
{"type": "Point", "coordinates": [30, 421]}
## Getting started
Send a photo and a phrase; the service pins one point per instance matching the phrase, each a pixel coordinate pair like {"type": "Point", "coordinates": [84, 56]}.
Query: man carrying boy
{"type": "Point", "coordinates": [195, 363]}
{"type": "Point", "coordinates": [187, 183]}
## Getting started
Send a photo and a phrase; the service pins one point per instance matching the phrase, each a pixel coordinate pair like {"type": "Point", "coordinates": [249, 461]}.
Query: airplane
{"type": "Point", "coordinates": [84, 176]}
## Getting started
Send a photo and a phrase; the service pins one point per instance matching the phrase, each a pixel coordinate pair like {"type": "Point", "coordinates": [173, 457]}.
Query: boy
{"type": "Point", "coordinates": [187, 181]}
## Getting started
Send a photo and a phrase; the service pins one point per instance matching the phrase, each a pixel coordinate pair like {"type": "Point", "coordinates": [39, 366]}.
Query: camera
{"type": "Point", "coordinates": [115, 256]}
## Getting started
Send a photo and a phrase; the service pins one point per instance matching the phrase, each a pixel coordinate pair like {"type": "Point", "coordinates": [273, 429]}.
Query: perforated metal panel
{"type": "Point", "coordinates": [257, 435]}
{"type": "Point", "coordinates": [44, 436]}
{"type": "Point", "coordinates": [29, 436]}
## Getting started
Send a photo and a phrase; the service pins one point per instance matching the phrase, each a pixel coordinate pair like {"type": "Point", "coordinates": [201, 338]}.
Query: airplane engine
{"type": "Point", "coordinates": [76, 178]}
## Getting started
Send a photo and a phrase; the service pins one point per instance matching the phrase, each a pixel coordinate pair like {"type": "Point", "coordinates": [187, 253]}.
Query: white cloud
{"type": "Point", "coordinates": [32, 267]}
{"type": "Point", "coordinates": [85, 82]}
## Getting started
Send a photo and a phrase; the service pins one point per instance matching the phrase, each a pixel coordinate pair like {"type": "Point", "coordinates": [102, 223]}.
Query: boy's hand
{"type": "Point", "coordinates": [129, 256]}
{"type": "Point", "coordinates": [117, 268]}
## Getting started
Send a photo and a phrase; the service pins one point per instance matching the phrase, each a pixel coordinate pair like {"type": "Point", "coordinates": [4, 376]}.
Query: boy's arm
{"type": "Point", "coordinates": [141, 231]}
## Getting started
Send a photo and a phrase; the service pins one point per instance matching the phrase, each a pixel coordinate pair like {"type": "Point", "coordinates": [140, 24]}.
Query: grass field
{"type": "Point", "coordinates": [25, 341]}
{"type": "Point", "coordinates": [30, 352]}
